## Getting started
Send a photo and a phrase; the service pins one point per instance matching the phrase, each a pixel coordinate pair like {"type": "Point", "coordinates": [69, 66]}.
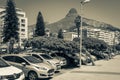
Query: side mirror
{"type": "Point", "coordinates": [23, 63]}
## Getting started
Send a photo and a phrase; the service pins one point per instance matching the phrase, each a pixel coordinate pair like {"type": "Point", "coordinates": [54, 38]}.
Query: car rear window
{"type": "Point", "coordinates": [32, 59]}
{"type": "Point", "coordinates": [46, 56]}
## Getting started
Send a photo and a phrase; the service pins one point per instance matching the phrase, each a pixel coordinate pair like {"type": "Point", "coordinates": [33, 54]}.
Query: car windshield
{"type": "Point", "coordinates": [33, 59]}
{"type": "Point", "coordinates": [3, 63]}
{"type": "Point", "coordinates": [45, 56]}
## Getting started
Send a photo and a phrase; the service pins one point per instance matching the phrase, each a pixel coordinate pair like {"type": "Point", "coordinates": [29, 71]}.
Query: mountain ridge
{"type": "Point", "coordinates": [68, 21]}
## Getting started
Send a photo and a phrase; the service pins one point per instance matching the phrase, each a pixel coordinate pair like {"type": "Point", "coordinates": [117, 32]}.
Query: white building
{"type": "Point", "coordinates": [23, 23]}
{"type": "Point", "coordinates": [107, 36]}
{"type": "Point", "coordinates": [69, 36]}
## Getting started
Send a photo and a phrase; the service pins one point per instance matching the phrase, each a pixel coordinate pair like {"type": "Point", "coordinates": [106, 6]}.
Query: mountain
{"type": "Point", "coordinates": [68, 22]}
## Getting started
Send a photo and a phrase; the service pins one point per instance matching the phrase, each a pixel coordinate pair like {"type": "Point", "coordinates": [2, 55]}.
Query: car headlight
{"type": "Point", "coordinates": [42, 68]}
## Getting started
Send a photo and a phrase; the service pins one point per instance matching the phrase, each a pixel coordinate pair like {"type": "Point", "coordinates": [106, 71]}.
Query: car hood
{"type": "Point", "coordinates": [10, 70]}
{"type": "Point", "coordinates": [54, 61]}
{"type": "Point", "coordinates": [45, 65]}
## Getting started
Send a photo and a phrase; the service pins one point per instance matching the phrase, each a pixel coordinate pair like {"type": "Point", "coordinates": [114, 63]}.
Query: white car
{"type": "Point", "coordinates": [8, 72]}
{"type": "Point", "coordinates": [32, 67]}
{"type": "Point", "coordinates": [62, 60]}
{"type": "Point", "coordinates": [45, 57]}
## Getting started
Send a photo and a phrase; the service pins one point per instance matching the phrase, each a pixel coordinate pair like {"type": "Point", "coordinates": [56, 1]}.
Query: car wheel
{"type": "Point", "coordinates": [32, 76]}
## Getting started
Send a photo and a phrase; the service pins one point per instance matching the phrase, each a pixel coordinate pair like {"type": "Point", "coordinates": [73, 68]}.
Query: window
{"type": "Point", "coordinates": [19, 59]}
{"type": "Point", "coordinates": [22, 34]}
{"type": "Point", "coordinates": [23, 40]}
{"type": "Point", "coordinates": [2, 12]}
{"type": "Point", "coordinates": [45, 56]}
{"type": "Point", "coordinates": [23, 30]}
{"type": "Point", "coordinates": [37, 56]}
{"type": "Point", "coordinates": [3, 63]}
{"type": "Point", "coordinates": [23, 25]}
{"type": "Point", "coordinates": [32, 59]}
{"type": "Point", "coordinates": [23, 20]}
{"type": "Point", "coordinates": [21, 15]}
{"type": "Point", "coordinates": [9, 58]}
{"type": "Point", "coordinates": [15, 59]}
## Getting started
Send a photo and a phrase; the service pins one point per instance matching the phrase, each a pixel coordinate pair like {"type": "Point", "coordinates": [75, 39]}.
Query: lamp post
{"type": "Point", "coordinates": [81, 20]}
{"type": "Point", "coordinates": [77, 22]}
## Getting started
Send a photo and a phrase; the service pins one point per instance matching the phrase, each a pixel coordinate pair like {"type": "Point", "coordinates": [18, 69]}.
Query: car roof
{"type": "Point", "coordinates": [35, 53]}
{"type": "Point", "coordinates": [20, 55]}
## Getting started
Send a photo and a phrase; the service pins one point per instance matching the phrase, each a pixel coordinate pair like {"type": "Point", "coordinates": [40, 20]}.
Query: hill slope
{"type": "Point", "coordinates": [68, 22]}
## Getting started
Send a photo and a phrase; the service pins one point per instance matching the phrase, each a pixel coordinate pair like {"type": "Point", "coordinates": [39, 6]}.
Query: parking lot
{"type": "Point", "coordinates": [104, 70]}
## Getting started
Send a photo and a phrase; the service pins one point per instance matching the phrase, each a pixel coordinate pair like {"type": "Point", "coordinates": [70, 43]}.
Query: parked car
{"type": "Point", "coordinates": [32, 67]}
{"type": "Point", "coordinates": [84, 59]}
{"type": "Point", "coordinates": [70, 59]}
{"type": "Point", "coordinates": [87, 59]}
{"type": "Point", "coordinates": [94, 57]}
{"type": "Point", "coordinates": [47, 58]}
{"type": "Point", "coordinates": [8, 72]}
{"type": "Point", "coordinates": [100, 55]}
{"type": "Point", "coordinates": [62, 59]}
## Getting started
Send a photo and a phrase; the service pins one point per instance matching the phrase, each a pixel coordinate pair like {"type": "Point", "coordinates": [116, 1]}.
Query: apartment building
{"type": "Point", "coordinates": [108, 36]}
{"type": "Point", "coordinates": [23, 24]}
{"type": "Point", "coordinates": [69, 36]}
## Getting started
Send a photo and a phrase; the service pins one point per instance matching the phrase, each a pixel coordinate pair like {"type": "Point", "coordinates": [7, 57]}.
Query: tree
{"type": "Point", "coordinates": [40, 27]}
{"type": "Point", "coordinates": [54, 44]}
{"type": "Point", "coordinates": [93, 43]}
{"type": "Point", "coordinates": [78, 22]}
{"type": "Point", "coordinates": [60, 34]}
{"type": "Point", "coordinates": [10, 45]}
{"type": "Point", "coordinates": [10, 29]}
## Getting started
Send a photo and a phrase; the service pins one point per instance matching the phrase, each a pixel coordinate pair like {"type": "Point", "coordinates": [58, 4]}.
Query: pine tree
{"type": "Point", "coordinates": [40, 27]}
{"type": "Point", "coordinates": [60, 34]}
{"type": "Point", "coordinates": [10, 28]}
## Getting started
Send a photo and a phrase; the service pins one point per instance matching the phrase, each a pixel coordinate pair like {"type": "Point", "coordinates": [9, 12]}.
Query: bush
{"type": "Point", "coordinates": [53, 44]}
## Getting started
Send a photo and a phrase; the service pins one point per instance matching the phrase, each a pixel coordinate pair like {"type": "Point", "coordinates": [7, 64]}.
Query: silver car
{"type": "Point", "coordinates": [45, 57]}
{"type": "Point", "coordinates": [8, 72]}
{"type": "Point", "coordinates": [32, 67]}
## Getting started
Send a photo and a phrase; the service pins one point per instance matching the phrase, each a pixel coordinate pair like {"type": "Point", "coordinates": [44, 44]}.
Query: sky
{"type": "Point", "coordinates": [107, 11]}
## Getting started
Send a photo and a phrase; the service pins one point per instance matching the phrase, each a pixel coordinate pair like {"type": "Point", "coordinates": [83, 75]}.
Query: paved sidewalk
{"type": "Point", "coordinates": [104, 70]}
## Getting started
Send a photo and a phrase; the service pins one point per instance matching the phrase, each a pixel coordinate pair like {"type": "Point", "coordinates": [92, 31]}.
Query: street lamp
{"type": "Point", "coordinates": [81, 10]}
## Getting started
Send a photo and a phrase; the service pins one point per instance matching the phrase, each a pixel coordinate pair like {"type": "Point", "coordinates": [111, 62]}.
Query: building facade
{"type": "Point", "coordinates": [108, 36]}
{"type": "Point", "coordinates": [69, 36]}
{"type": "Point", "coordinates": [23, 24]}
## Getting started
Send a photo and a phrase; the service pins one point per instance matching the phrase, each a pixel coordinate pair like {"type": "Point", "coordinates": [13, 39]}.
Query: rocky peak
{"type": "Point", "coordinates": [72, 12]}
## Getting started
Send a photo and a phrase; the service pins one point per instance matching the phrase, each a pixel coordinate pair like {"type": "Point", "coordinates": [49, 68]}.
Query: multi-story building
{"type": "Point", "coordinates": [107, 36]}
{"type": "Point", "coordinates": [69, 36]}
{"type": "Point", "coordinates": [23, 24]}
